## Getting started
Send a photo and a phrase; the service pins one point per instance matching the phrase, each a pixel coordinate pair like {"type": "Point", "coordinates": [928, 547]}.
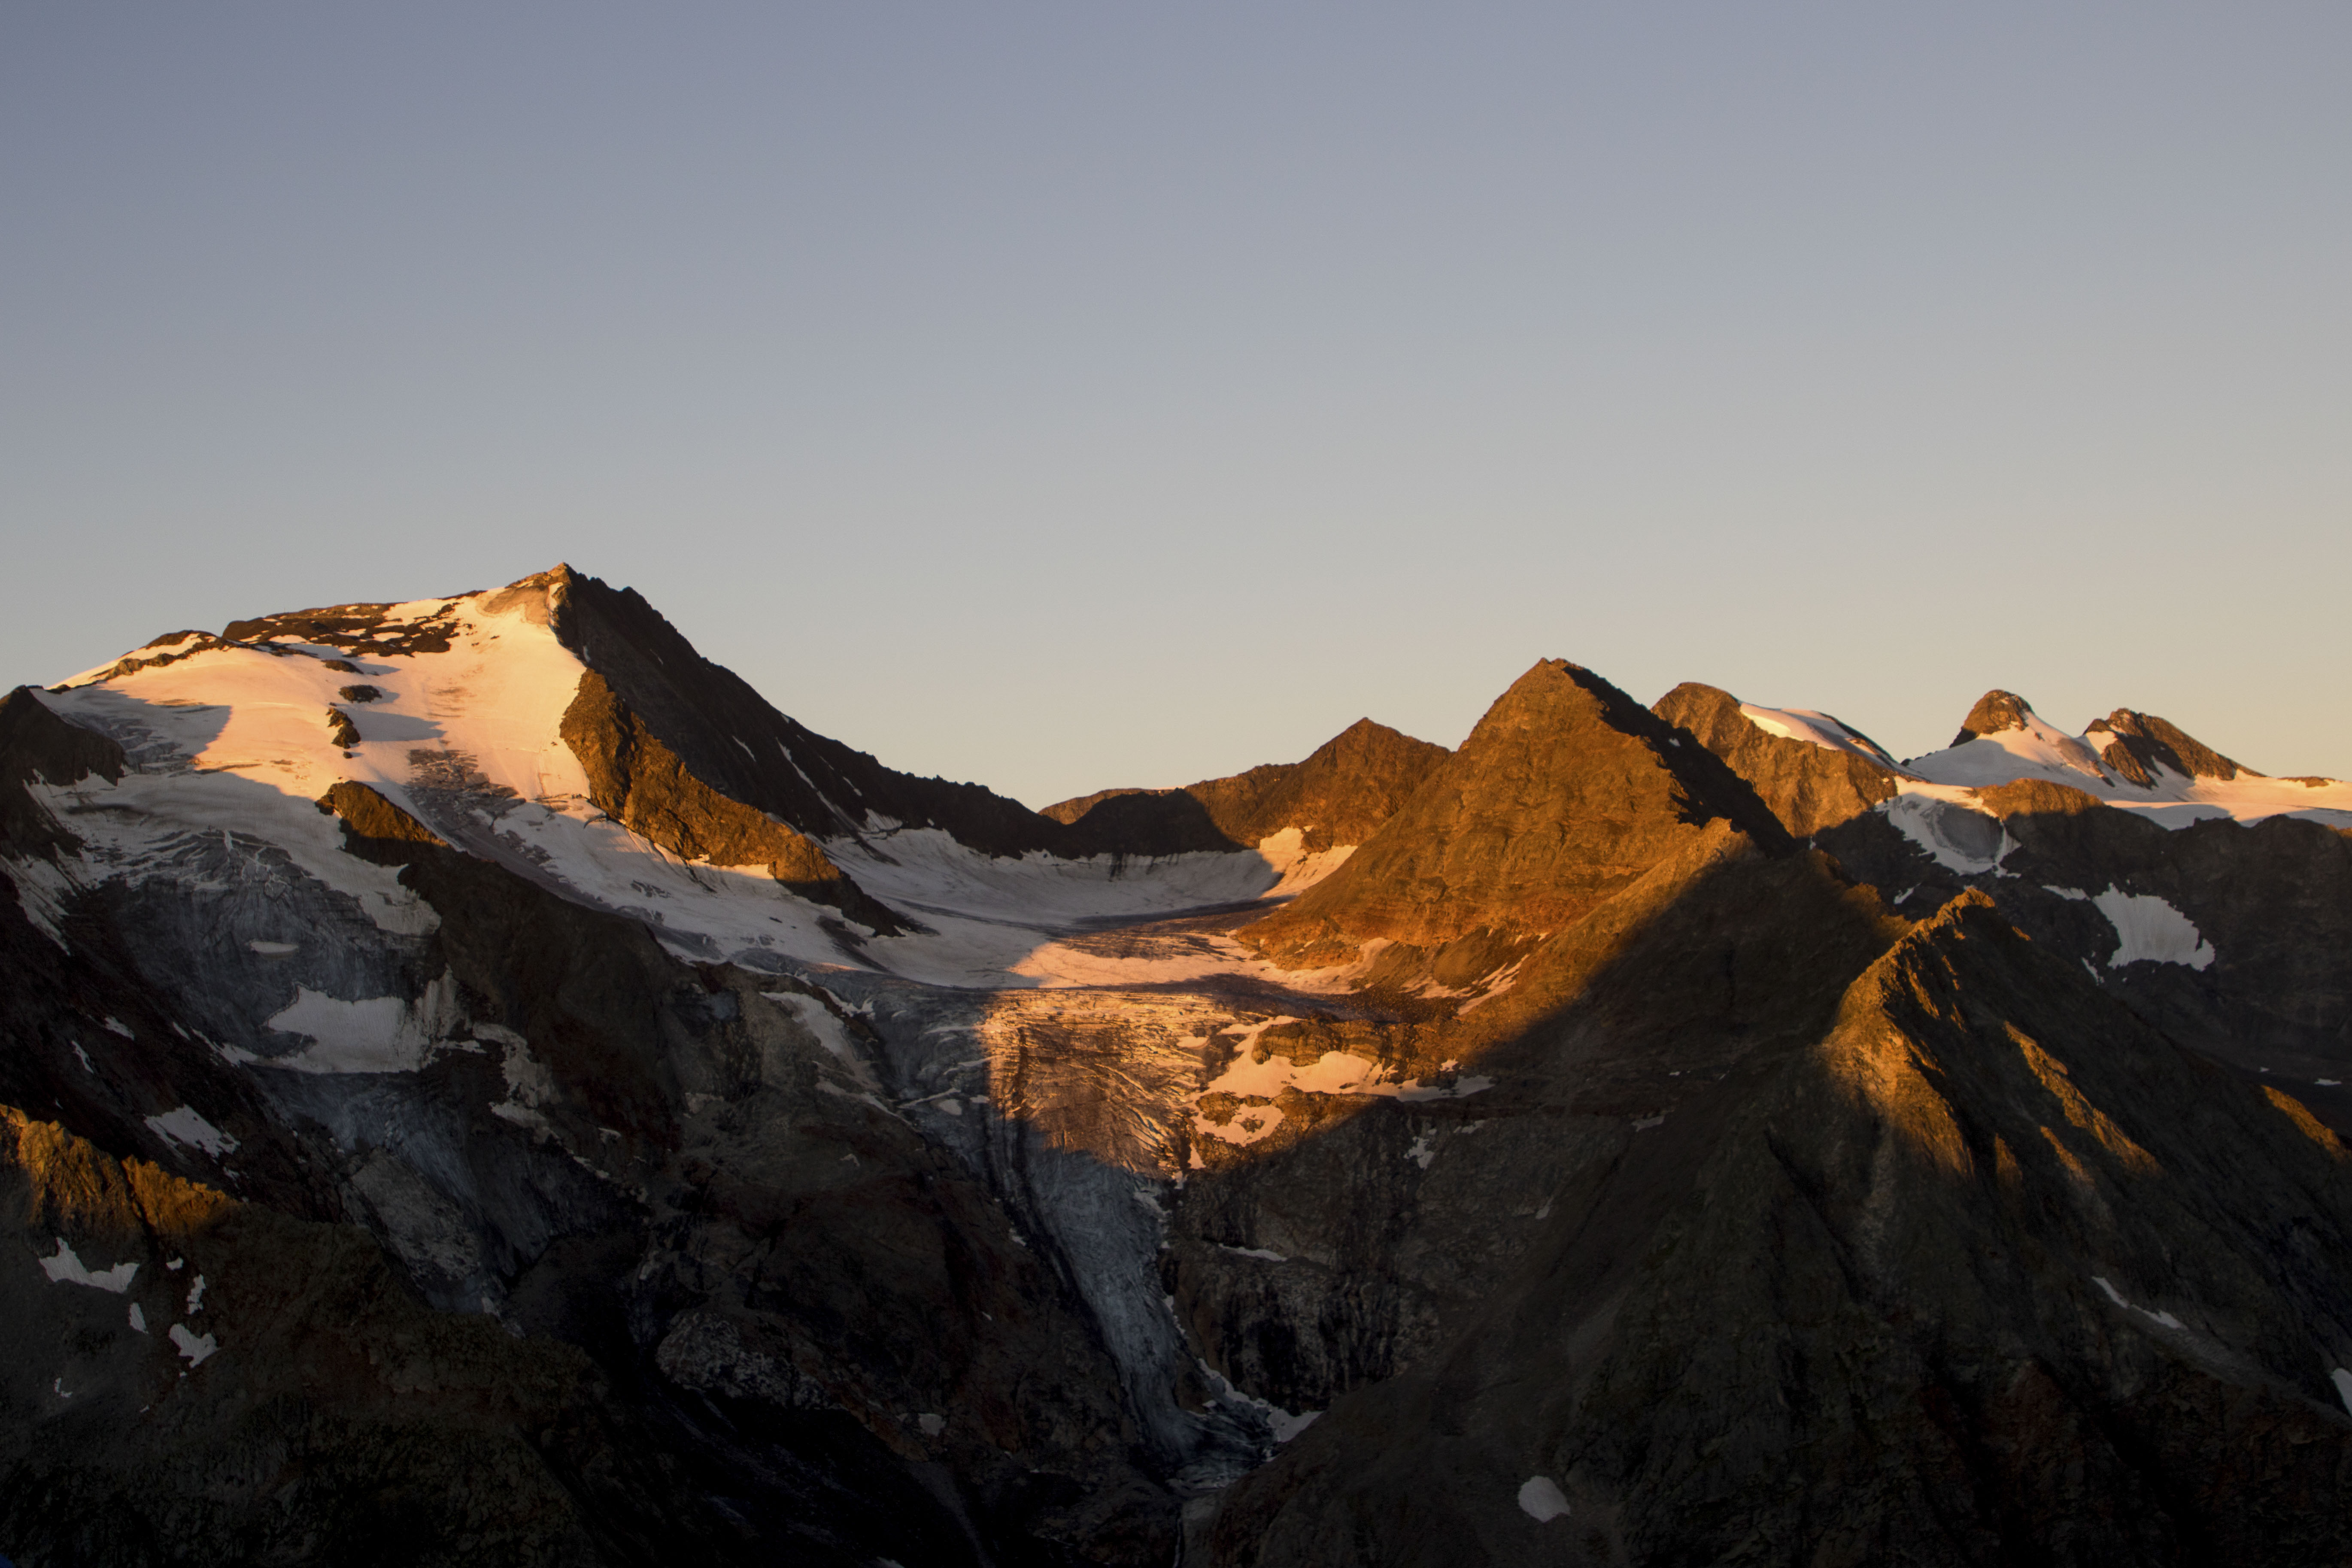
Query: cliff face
{"type": "Point", "coordinates": [553, 1108]}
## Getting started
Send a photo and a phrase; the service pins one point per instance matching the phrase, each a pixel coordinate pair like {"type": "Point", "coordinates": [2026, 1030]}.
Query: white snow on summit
{"type": "Point", "coordinates": [1816, 729]}
{"type": "Point", "coordinates": [2175, 800]}
{"type": "Point", "coordinates": [2040, 750]}
{"type": "Point", "coordinates": [231, 748]}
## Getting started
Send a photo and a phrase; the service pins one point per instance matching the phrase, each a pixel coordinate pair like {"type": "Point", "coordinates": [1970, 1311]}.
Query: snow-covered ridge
{"type": "Point", "coordinates": [1815, 728]}
{"type": "Point", "coordinates": [2039, 750]}
{"type": "Point", "coordinates": [452, 709]}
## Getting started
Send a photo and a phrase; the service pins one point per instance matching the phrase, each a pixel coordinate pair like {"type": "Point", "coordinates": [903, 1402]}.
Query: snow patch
{"type": "Point", "coordinates": [2039, 749]}
{"type": "Point", "coordinates": [1284, 1426]}
{"type": "Point", "coordinates": [66, 1268]}
{"type": "Point", "coordinates": [2162, 1319]}
{"type": "Point", "coordinates": [530, 1085]}
{"type": "Point", "coordinates": [2343, 1381]}
{"type": "Point", "coordinates": [1956, 834]}
{"type": "Point", "coordinates": [2150, 930]}
{"type": "Point", "coordinates": [1297, 867]}
{"type": "Point", "coordinates": [831, 1033]}
{"type": "Point", "coordinates": [372, 1035]}
{"type": "Point", "coordinates": [194, 1347]}
{"type": "Point", "coordinates": [1281, 1424]}
{"type": "Point", "coordinates": [1541, 1499]}
{"type": "Point", "coordinates": [42, 891]}
{"type": "Point", "coordinates": [1246, 1126]}
{"type": "Point", "coordinates": [184, 1127]}
{"type": "Point", "coordinates": [1332, 1072]}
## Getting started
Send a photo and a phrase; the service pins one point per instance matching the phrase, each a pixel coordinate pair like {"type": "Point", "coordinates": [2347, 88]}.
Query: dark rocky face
{"type": "Point", "coordinates": [1651, 1145]}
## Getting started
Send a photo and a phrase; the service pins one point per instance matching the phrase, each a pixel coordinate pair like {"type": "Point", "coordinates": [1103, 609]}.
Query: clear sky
{"type": "Point", "coordinates": [1068, 396]}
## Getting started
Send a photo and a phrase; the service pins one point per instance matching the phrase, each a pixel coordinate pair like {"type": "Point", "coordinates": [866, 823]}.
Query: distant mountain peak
{"type": "Point", "coordinates": [1995, 711]}
{"type": "Point", "coordinates": [2135, 744]}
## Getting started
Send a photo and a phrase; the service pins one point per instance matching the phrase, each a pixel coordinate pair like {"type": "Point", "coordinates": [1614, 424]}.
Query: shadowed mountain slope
{"type": "Point", "coordinates": [1990, 1273]}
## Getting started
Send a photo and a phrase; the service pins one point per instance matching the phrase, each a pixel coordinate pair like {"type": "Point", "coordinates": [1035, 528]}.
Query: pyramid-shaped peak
{"type": "Point", "coordinates": [1995, 711]}
{"type": "Point", "coordinates": [1564, 793]}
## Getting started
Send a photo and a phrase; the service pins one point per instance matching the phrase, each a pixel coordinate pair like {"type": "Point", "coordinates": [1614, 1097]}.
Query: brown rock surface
{"type": "Point", "coordinates": [370, 817]}
{"type": "Point", "coordinates": [1810, 789]}
{"type": "Point", "coordinates": [1565, 792]}
{"type": "Point", "coordinates": [1995, 711]}
{"type": "Point", "coordinates": [2038, 797]}
{"type": "Point", "coordinates": [2135, 744]}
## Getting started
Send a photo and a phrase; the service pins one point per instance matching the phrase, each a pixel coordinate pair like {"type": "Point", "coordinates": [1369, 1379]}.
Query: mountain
{"type": "Point", "coordinates": [1337, 796]}
{"type": "Point", "coordinates": [484, 1085]}
{"type": "Point", "coordinates": [1564, 793]}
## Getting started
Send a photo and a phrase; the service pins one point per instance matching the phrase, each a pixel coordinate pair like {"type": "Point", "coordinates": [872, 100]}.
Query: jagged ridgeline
{"type": "Point", "coordinates": [480, 1084]}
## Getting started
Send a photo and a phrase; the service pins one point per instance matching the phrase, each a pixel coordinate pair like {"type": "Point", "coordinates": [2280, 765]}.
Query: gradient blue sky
{"type": "Point", "coordinates": [1073, 395]}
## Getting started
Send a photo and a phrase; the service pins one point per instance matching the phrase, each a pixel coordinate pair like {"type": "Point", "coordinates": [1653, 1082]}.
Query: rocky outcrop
{"type": "Point", "coordinates": [35, 744]}
{"type": "Point", "coordinates": [1995, 711]}
{"type": "Point", "coordinates": [2135, 744]}
{"type": "Point", "coordinates": [361, 629]}
{"type": "Point", "coordinates": [726, 735]}
{"type": "Point", "coordinates": [375, 822]}
{"type": "Point", "coordinates": [643, 786]}
{"type": "Point", "coordinates": [1565, 792]}
{"type": "Point", "coordinates": [1810, 789]}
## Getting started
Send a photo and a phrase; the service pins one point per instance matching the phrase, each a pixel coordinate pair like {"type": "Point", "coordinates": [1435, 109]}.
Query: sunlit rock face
{"type": "Point", "coordinates": [482, 1084]}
